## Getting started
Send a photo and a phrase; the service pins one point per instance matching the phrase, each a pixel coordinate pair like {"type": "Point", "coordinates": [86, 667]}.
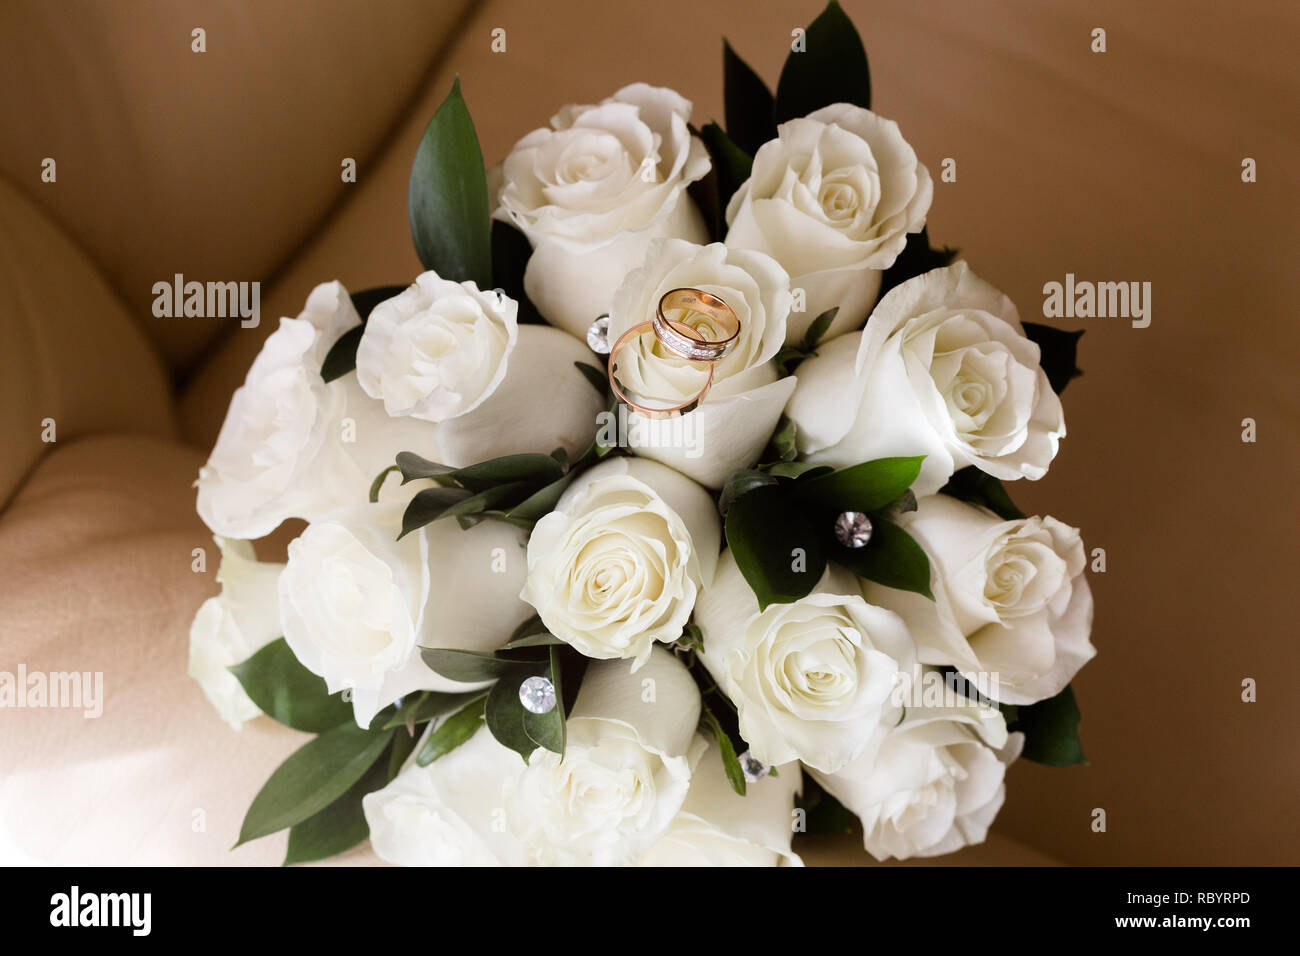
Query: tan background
{"type": "Point", "coordinates": [1116, 166]}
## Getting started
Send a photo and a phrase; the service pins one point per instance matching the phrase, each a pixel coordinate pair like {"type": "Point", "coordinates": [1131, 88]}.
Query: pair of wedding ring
{"type": "Point", "coordinates": [683, 341]}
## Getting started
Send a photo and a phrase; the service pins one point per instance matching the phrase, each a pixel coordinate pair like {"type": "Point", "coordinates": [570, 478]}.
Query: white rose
{"type": "Point", "coordinates": [356, 604]}
{"type": "Point", "coordinates": [811, 680]}
{"type": "Point", "coordinates": [718, 827]}
{"type": "Point", "coordinates": [732, 426]}
{"type": "Point", "coordinates": [446, 814]}
{"type": "Point", "coordinates": [930, 786]}
{"type": "Point", "coordinates": [832, 199]}
{"type": "Point", "coordinates": [592, 190]}
{"type": "Point", "coordinates": [232, 627]}
{"type": "Point", "coordinates": [293, 446]}
{"type": "Point", "coordinates": [618, 564]}
{"type": "Point", "coordinates": [543, 403]}
{"type": "Point", "coordinates": [438, 349]}
{"type": "Point", "coordinates": [1012, 609]}
{"type": "Point", "coordinates": [944, 370]}
{"type": "Point", "coordinates": [630, 749]}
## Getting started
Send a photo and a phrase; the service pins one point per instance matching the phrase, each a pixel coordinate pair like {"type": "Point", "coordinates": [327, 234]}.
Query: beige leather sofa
{"type": "Point", "coordinates": [224, 165]}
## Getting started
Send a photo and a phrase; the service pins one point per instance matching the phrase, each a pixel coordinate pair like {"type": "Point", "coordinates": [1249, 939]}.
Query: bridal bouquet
{"type": "Point", "coordinates": [662, 518]}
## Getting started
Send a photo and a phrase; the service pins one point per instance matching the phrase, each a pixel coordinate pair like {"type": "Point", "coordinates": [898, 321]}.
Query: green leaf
{"type": "Point", "coordinates": [1058, 352]}
{"type": "Point", "coordinates": [340, 826]}
{"type": "Point", "coordinates": [783, 446]}
{"type": "Point", "coordinates": [377, 485]}
{"type": "Point", "coordinates": [505, 714]}
{"type": "Point", "coordinates": [532, 468]}
{"type": "Point", "coordinates": [869, 486]}
{"type": "Point", "coordinates": [817, 330]}
{"type": "Point", "coordinates": [468, 667]}
{"type": "Point", "coordinates": [413, 468]}
{"type": "Point", "coordinates": [796, 469]}
{"type": "Point", "coordinates": [403, 744]}
{"type": "Point", "coordinates": [766, 535]}
{"type": "Point", "coordinates": [510, 253]}
{"type": "Point", "coordinates": [892, 558]}
{"type": "Point", "coordinates": [832, 69]}
{"type": "Point", "coordinates": [730, 762]}
{"type": "Point", "coordinates": [426, 707]}
{"type": "Point", "coordinates": [1051, 729]}
{"type": "Point", "coordinates": [542, 502]}
{"type": "Point", "coordinates": [596, 376]}
{"type": "Point", "coordinates": [342, 356]}
{"type": "Point", "coordinates": [731, 163]}
{"type": "Point", "coordinates": [749, 105]}
{"type": "Point", "coordinates": [543, 639]}
{"type": "Point", "coordinates": [547, 730]}
{"type": "Point", "coordinates": [283, 689]}
{"type": "Point", "coordinates": [822, 812]}
{"type": "Point", "coordinates": [428, 506]}
{"type": "Point", "coordinates": [979, 488]}
{"type": "Point", "coordinates": [314, 776]}
{"type": "Point", "coordinates": [448, 197]}
{"type": "Point", "coordinates": [740, 482]}
{"type": "Point", "coordinates": [917, 258]}
{"type": "Point", "coordinates": [454, 731]}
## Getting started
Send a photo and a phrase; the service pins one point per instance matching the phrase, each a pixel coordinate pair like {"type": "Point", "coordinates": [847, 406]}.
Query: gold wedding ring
{"type": "Point", "coordinates": [683, 341]}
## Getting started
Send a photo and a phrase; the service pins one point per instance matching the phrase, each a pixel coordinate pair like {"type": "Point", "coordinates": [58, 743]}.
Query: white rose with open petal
{"type": "Point", "coordinates": [356, 603]}
{"type": "Point", "coordinates": [631, 744]}
{"type": "Point", "coordinates": [718, 827]}
{"type": "Point", "coordinates": [438, 349]}
{"type": "Point", "coordinates": [593, 189]}
{"type": "Point", "coordinates": [930, 786]}
{"type": "Point", "coordinates": [1012, 609]}
{"type": "Point", "coordinates": [944, 370]}
{"type": "Point", "coordinates": [543, 403]}
{"type": "Point", "coordinates": [446, 814]}
{"type": "Point", "coordinates": [832, 199]}
{"type": "Point", "coordinates": [292, 445]}
{"type": "Point", "coordinates": [618, 564]}
{"type": "Point", "coordinates": [734, 423]}
{"type": "Point", "coordinates": [232, 627]}
{"type": "Point", "coordinates": [812, 679]}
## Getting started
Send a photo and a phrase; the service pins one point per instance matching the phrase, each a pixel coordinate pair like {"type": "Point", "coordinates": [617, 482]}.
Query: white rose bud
{"type": "Point", "coordinates": [438, 349]}
{"type": "Point", "coordinates": [930, 786]}
{"type": "Point", "coordinates": [812, 679]}
{"type": "Point", "coordinates": [450, 813]}
{"type": "Point", "coordinates": [1012, 609]}
{"type": "Point", "coordinates": [356, 604]}
{"type": "Point", "coordinates": [630, 749]}
{"type": "Point", "coordinates": [943, 370]}
{"type": "Point", "coordinates": [832, 199]}
{"type": "Point", "coordinates": [718, 827]}
{"type": "Point", "coordinates": [234, 626]}
{"type": "Point", "coordinates": [591, 191]}
{"type": "Point", "coordinates": [618, 564]}
{"type": "Point", "coordinates": [731, 427]}
{"type": "Point", "coordinates": [292, 445]}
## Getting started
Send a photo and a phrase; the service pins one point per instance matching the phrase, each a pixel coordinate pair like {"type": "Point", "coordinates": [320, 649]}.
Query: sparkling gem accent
{"type": "Point", "coordinates": [598, 336]}
{"type": "Point", "coordinates": [537, 694]}
{"type": "Point", "coordinates": [853, 529]}
{"type": "Point", "coordinates": [753, 768]}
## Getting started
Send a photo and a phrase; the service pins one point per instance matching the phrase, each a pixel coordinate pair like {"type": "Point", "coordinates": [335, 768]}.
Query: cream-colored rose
{"type": "Point", "coordinates": [718, 827]}
{"type": "Point", "coordinates": [593, 189]}
{"type": "Point", "coordinates": [356, 604]}
{"type": "Point", "coordinates": [931, 785]}
{"type": "Point", "coordinates": [1012, 609]}
{"type": "Point", "coordinates": [734, 423]}
{"type": "Point", "coordinates": [631, 746]}
{"type": "Point", "coordinates": [812, 679]}
{"type": "Point", "coordinates": [832, 199]}
{"type": "Point", "coordinates": [618, 564]}
{"type": "Point", "coordinates": [438, 349]}
{"type": "Point", "coordinates": [293, 446]}
{"type": "Point", "coordinates": [232, 627]}
{"type": "Point", "coordinates": [943, 370]}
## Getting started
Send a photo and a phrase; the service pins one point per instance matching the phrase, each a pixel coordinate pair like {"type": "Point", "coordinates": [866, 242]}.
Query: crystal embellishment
{"type": "Point", "coordinates": [537, 694]}
{"type": "Point", "coordinates": [853, 529]}
{"type": "Point", "coordinates": [753, 768]}
{"type": "Point", "coordinates": [598, 336]}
